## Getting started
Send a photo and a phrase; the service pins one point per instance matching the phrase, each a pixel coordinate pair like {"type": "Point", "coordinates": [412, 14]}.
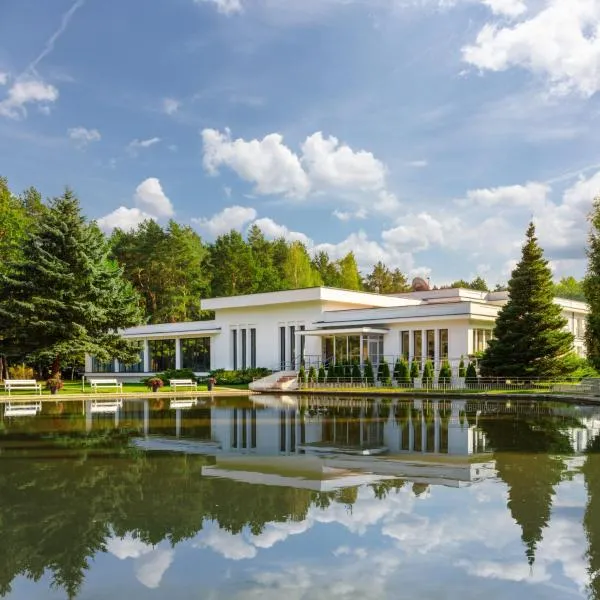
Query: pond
{"type": "Point", "coordinates": [299, 498]}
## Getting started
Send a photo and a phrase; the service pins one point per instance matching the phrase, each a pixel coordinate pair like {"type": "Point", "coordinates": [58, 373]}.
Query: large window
{"type": "Point", "coordinates": [253, 348]}
{"type": "Point", "coordinates": [100, 366]}
{"type": "Point", "coordinates": [431, 344]}
{"type": "Point", "coordinates": [195, 354]}
{"type": "Point", "coordinates": [137, 366]}
{"type": "Point", "coordinates": [481, 338]}
{"type": "Point", "coordinates": [282, 347]}
{"type": "Point", "coordinates": [580, 328]}
{"type": "Point", "coordinates": [417, 345]}
{"type": "Point", "coordinates": [244, 350]}
{"type": "Point", "coordinates": [234, 348]}
{"type": "Point", "coordinates": [405, 344]}
{"type": "Point", "coordinates": [162, 355]}
{"type": "Point", "coordinates": [443, 342]}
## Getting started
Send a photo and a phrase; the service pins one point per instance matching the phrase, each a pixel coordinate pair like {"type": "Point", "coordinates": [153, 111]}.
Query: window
{"type": "Point", "coordinates": [580, 328]}
{"type": "Point", "coordinates": [481, 337]}
{"type": "Point", "coordinates": [302, 344]}
{"type": "Point", "coordinates": [99, 366]}
{"type": "Point", "coordinates": [405, 344]}
{"type": "Point", "coordinates": [195, 354]}
{"type": "Point", "coordinates": [443, 342]}
{"type": "Point", "coordinates": [293, 346]}
{"type": "Point", "coordinates": [244, 365]}
{"type": "Point", "coordinates": [137, 366]}
{"type": "Point", "coordinates": [162, 355]}
{"type": "Point", "coordinates": [418, 345]}
{"type": "Point", "coordinates": [282, 348]}
{"type": "Point", "coordinates": [253, 348]}
{"type": "Point", "coordinates": [234, 348]}
{"type": "Point", "coordinates": [431, 344]}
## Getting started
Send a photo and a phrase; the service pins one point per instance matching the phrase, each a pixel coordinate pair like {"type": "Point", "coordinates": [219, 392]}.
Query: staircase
{"type": "Point", "coordinates": [276, 382]}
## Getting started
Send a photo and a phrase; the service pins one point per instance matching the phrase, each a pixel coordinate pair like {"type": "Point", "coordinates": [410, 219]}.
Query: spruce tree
{"type": "Point", "coordinates": [64, 297]}
{"type": "Point", "coordinates": [530, 336]}
{"type": "Point", "coordinates": [591, 287]}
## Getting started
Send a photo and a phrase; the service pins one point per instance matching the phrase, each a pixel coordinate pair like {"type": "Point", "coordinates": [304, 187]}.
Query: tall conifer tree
{"type": "Point", "coordinates": [530, 336]}
{"type": "Point", "coordinates": [591, 287]}
{"type": "Point", "coordinates": [65, 297]}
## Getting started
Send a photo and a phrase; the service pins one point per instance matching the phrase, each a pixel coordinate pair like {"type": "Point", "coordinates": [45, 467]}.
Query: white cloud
{"type": "Point", "coordinates": [274, 230]}
{"type": "Point", "coordinates": [23, 91]}
{"type": "Point", "coordinates": [419, 164]}
{"type": "Point", "coordinates": [82, 136]}
{"type": "Point", "coordinates": [171, 106]}
{"type": "Point", "coordinates": [268, 163]}
{"type": "Point", "coordinates": [507, 8]}
{"type": "Point", "coordinates": [123, 218]}
{"type": "Point", "coordinates": [3, 78]}
{"type": "Point", "coordinates": [532, 195]}
{"type": "Point", "coordinates": [386, 203]}
{"type": "Point", "coordinates": [331, 164]}
{"type": "Point", "coordinates": [226, 7]}
{"type": "Point", "coordinates": [136, 145]}
{"type": "Point", "coordinates": [150, 197]}
{"type": "Point", "coordinates": [506, 571]}
{"type": "Point", "coordinates": [233, 547]}
{"type": "Point", "coordinates": [419, 232]}
{"type": "Point", "coordinates": [232, 217]}
{"type": "Point", "coordinates": [560, 43]}
{"type": "Point", "coordinates": [361, 213]}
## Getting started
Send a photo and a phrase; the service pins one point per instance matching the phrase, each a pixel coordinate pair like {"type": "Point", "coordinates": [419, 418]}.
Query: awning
{"type": "Point", "coordinates": [344, 331]}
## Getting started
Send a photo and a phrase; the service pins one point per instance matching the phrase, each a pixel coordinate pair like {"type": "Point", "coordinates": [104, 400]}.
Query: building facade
{"type": "Point", "coordinates": [281, 330]}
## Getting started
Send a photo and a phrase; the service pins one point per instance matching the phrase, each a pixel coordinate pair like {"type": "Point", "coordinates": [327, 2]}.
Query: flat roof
{"type": "Point", "coordinates": [183, 329]}
{"type": "Point", "coordinates": [315, 294]}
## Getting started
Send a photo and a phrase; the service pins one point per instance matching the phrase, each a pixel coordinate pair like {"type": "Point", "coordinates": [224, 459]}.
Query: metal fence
{"type": "Point", "coordinates": [585, 387]}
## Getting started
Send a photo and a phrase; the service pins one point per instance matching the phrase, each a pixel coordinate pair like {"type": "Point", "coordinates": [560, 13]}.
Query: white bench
{"type": "Point", "coordinates": [105, 406]}
{"type": "Point", "coordinates": [189, 383]}
{"type": "Point", "coordinates": [22, 409]}
{"type": "Point", "coordinates": [106, 383]}
{"type": "Point", "coordinates": [22, 384]}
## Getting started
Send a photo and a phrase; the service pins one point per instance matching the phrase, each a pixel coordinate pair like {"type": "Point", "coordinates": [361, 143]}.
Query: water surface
{"type": "Point", "coordinates": [299, 499]}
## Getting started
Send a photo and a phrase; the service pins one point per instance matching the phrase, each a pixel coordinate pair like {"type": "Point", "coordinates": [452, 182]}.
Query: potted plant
{"type": "Point", "coordinates": [154, 383]}
{"type": "Point", "coordinates": [54, 384]}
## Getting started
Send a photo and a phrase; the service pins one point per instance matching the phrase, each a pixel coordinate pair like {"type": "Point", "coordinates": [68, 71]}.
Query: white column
{"type": "Point", "coordinates": [146, 357]}
{"type": "Point", "coordinates": [178, 353]}
{"type": "Point", "coordinates": [116, 365]}
{"type": "Point", "coordinates": [411, 345]}
{"type": "Point", "coordinates": [423, 345]}
{"type": "Point", "coordinates": [436, 347]}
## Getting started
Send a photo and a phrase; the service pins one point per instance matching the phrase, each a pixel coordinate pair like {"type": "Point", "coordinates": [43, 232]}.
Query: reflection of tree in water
{"type": "Point", "coordinates": [591, 520]}
{"type": "Point", "coordinates": [57, 514]}
{"type": "Point", "coordinates": [527, 450]}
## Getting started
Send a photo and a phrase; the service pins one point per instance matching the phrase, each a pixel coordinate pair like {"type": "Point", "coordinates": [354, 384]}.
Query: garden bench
{"type": "Point", "coordinates": [22, 384]}
{"type": "Point", "coordinates": [22, 409]}
{"type": "Point", "coordinates": [106, 383]}
{"type": "Point", "coordinates": [189, 383]}
{"type": "Point", "coordinates": [183, 404]}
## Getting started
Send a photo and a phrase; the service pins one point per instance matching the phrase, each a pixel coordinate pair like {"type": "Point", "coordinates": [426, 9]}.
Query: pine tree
{"type": "Point", "coordinates": [65, 298]}
{"type": "Point", "coordinates": [591, 286]}
{"type": "Point", "coordinates": [531, 340]}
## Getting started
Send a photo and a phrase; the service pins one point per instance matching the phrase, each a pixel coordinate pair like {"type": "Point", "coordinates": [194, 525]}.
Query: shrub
{"type": "Point", "coordinates": [302, 374]}
{"type": "Point", "coordinates": [154, 382]}
{"type": "Point", "coordinates": [312, 374]}
{"type": "Point", "coordinates": [338, 370]}
{"type": "Point", "coordinates": [414, 370]}
{"type": "Point", "coordinates": [384, 377]}
{"type": "Point", "coordinates": [369, 375]}
{"type": "Point", "coordinates": [20, 372]}
{"type": "Point", "coordinates": [402, 372]}
{"type": "Point", "coordinates": [428, 373]}
{"type": "Point", "coordinates": [176, 374]}
{"type": "Point", "coordinates": [322, 374]}
{"type": "Point", "coordinates": [348, 370]}
{"type": "Point", "coordinates": [241, 377]}
{"type": "Point", "coordinates": [55, 383]}
{"type": "Point", "coordinates": [445, 374]}
{"type": "Point", "coordinates": [356, 374]}
{"type": "Point", "coordinates": [462, 371]}
{"type": "Point", "coordinates": [471, 375]}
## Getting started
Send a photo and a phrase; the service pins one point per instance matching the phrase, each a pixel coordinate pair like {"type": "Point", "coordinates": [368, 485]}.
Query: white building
{"type": "Point", "coordinates": [279, 329]}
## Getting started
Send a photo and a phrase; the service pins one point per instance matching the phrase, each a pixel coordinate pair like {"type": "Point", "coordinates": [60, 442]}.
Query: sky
{"type": "Point", "coordinates": [422, 133]}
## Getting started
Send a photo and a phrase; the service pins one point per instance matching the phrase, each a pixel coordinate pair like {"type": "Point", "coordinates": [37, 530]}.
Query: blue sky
{"type": "Point", "coordinates": [424, 133]}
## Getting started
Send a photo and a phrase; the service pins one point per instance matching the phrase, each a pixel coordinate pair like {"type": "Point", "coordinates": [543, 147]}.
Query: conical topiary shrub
{"type": "Point", "coordinates": [397, 368]}
{"type": "Point", "coordinates": [385, 378]}
{"type": "Point", "coordinates": [462, 371]}
{"type": "Point", "coordinates": [301, 375]}
{"type": "Point", "coordinates": [312, 375]}
{"type": "Point", "coordinates": [445, 374]}
{"type": "Point", "coordinates": [322, 374]}
{"type": "Point", "coordinates": [356, 374]}
{"type": "Point", "coordinates": [428, 374]}
{"type": "Point", "coordinates": [369, 375]}
{"type": "Point", "coordinates": [402, 373]}
{"type": "Point", "coordinates": [414, 370]}
{"type": "Point", "coordinates": [471, 376]}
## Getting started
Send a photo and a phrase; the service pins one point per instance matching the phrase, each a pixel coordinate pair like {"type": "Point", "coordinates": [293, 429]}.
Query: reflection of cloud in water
{"type": "Point", "coordinates": [150, 562]}
{"type": "Point", "coordinates": [450, 528]}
